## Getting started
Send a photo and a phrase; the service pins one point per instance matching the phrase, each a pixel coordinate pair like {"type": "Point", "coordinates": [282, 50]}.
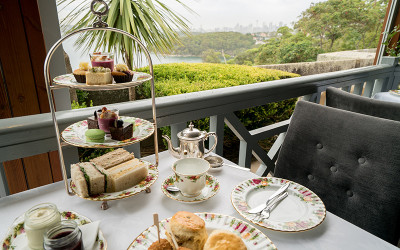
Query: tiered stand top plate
{"type": "Point", "coordinates": [68, 80]}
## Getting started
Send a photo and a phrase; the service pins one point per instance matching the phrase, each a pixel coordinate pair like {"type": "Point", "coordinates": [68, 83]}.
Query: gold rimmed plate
{"type": "Point", "coordinates": [302, 210]}
{"type": "Point", "coordinates": [68, 80]}
{"type": "Point", "coordinates": [16, 237]}
{"type": "Point", "coordinates": [142, 186]}
{"type": "Point", "coordinates": [252, 237]}
{"type": "Point", "coordinates": [211, 189]}
{"type": "Point", "coordinates": [75, 134]}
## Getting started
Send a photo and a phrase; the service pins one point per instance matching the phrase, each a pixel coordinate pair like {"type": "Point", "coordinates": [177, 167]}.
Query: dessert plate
{"type": "Point", "coordinates": [75, 134]}
{"type": "Point", "coordinates": [251, 236]}
{"type": "Point", "coordinates": [211, 189]}
{"type": "Point", "coordinates": [68, 80]}
{"type": "Point", "coordinates": [302, 210]}
{"type": "Point", "coordinates": [142, 186]}
{"type": "Point", "coordinates": [16, 237]}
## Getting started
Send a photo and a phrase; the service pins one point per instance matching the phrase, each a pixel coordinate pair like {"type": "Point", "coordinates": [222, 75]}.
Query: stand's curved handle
{"type": "Point", "coordinates": [215, 143]}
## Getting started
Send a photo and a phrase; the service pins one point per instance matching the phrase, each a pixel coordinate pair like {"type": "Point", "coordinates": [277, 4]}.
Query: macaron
{"type": "Point", "coordinates": [95, 135]}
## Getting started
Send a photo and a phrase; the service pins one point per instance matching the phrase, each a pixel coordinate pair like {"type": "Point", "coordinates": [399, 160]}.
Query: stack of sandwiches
{"type": "Point", "coordinates": [112, 172]}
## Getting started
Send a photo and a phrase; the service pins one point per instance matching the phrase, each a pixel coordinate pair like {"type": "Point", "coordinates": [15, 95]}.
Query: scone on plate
{"type": "Point", "coordinates": [224, 240]}
{"type": "Point", "coordinates": [189, 230]}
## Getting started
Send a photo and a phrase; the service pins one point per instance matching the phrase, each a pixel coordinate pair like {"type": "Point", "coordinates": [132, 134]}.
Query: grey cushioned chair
{"type": "Point", "coordinates": [340, 99]}
{"type": "Point", "coordinates": [352, 161]}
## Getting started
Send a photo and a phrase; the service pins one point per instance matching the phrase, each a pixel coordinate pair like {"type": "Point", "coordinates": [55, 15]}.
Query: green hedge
{"type": "Point", "coordinates": [179, 78]}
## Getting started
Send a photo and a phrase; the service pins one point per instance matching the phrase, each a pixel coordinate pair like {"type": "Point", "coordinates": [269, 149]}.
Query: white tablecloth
{"type": "Point", "coordinates": [126, 219]}
{"type": "Point", "coordinates": [386, 96]}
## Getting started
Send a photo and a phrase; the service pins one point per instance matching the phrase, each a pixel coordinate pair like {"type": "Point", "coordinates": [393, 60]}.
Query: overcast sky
{"type": "Point", "coordinates": [227, 13]}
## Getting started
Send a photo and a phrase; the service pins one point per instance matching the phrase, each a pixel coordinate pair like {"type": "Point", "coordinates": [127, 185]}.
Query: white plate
{"type": "Point", "coordinates": [252, 237]}
{"type": "Point", "coordinates": [16, 237]}
{"type": "Point", "coordinates": [211, 189]}
{"type": "Point", "coordinates": [68, 80]}
{"type": "Point", "coordinates": [75, 134]}
{"type": "Point", "coordinates": [302, 210]}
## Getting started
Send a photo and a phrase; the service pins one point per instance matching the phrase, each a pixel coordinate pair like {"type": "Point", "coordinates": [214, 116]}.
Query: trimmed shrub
{"type": "Point", "coordinates": [179, 78]}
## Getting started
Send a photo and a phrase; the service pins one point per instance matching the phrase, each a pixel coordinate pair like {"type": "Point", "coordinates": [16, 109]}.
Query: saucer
{"type": "Point", "coordinates": [211, 189]}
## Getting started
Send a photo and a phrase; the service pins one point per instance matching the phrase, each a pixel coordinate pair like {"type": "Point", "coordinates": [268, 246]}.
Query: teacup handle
{"type": "Point", "coordinates": [215, 143]}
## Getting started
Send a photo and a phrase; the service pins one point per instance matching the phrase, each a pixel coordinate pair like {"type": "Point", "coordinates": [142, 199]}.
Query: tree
{"type": "Point", "coordinates": [211, 56]}
{"type": "Point", "coordinates": [152, 21]}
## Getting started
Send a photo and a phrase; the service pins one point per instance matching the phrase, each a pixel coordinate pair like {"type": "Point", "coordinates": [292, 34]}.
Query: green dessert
{"type": "Point", "coordinates": [95, 135]}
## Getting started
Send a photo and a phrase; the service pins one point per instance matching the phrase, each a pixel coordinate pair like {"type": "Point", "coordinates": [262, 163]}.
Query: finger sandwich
{"type": "Point", "coordinates": [88, 179]}
{"type": "Point", "coordinates": [113, 158]}
{"type": "Point", "coordinates": [127, 174]}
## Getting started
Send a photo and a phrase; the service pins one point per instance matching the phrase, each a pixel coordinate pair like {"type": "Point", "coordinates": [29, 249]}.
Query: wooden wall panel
{"type": "Point", "coordinates": [15, 176]}
{"type": "Point", "coordinates": [38, 170]}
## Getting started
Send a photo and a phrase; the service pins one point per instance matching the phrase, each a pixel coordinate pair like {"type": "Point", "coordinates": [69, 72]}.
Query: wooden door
{"type": "Point", "coordinates": [22, 90]}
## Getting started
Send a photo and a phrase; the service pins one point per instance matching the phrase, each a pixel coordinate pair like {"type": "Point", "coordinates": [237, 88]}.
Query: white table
{"type": "Point", "coordinates": [126, 219]}
{"type": "Point", "coordinates": [386, 96]}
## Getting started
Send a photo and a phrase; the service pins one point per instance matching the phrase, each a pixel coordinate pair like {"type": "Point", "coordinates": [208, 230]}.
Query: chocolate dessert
{"type": "Point", "coordinates": [92, 121]}
{"type": "Point", "coordinates": [121, 130]}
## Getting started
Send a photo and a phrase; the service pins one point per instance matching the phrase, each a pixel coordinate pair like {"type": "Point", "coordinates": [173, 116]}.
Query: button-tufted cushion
{"type": "Point", "coordinates": [355, 170]}
{"type": "Point", "coordinates": [340, 99]}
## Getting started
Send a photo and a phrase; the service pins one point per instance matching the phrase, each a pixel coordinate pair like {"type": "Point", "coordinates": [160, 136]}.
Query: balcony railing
{"type": "Point", "coordinates": [31, 135]}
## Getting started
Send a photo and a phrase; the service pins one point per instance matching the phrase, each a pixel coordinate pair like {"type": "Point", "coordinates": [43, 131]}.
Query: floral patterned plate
{"type": "Point", "coordinates": [16, 237]}
{"type": "Point", "coordinates": [68, 80]}
{"type": "Point", "coordinates": [252, 237]}
{"type": "Point", "coordinates": [75, 134]}
{"type": "Point", "coordinates": [395, 92]}
{"type": "Point", "coordinates": [142, 186]}
{"type": "Point", "coordinates": [211, 189]}
{"type": "Point", "coordinates": [302, 210]}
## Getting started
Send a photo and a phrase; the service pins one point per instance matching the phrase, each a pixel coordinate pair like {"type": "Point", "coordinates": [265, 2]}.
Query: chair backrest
{"type": "Point", "coordinates": [340, 99]}
{"type": "Point", "coordinates": [352, 161]}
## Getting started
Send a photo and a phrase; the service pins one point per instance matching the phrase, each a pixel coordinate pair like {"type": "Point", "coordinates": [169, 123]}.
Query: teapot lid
{"type": "Point", "coordinates": [190, 133]}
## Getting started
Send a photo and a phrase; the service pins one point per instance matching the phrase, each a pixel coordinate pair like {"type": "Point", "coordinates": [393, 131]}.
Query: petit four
{"type": "Point", "coordinates": [92, 121]}
{"type": "Point", "coordinates": [102, 59]}
{"type": "Point", "coordinates": [106, 118]}
{"type": "Point", "coordinates": [98, 76]}
{"type": "Point", "coordinates": [121, 130]}
{"type": "Point", "coordinates": [122, 73]}
{"type": "Point", "coordinates": [95, 135]}
{"type": "Point", "coordinates": [80, 73]}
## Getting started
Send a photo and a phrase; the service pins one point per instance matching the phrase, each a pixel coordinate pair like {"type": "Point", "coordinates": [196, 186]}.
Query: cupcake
{"type": "Point", "coordinates": [122, 73]}
{"type": "Point", "coordinates": [80, 74]}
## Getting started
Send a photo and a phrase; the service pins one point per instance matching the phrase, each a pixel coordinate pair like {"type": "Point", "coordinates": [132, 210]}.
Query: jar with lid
{"type": "Point", "coordinates": [37, 220]}
{"type": "Point", "coordinates": [64, 235]}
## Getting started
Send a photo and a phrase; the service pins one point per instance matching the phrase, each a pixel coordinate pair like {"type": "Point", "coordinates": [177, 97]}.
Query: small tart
{"type": "Point", "coordinates": [122, 73]}
{"type": "Point", "coordinates": [80, 74]}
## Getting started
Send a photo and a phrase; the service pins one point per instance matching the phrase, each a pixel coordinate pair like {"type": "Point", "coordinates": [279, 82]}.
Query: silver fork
{"type": "Point", "coordinates": [267, 211]}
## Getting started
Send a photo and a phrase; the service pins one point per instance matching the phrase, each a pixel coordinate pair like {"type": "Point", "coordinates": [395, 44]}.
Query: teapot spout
{"type": "Point", "coordinates": [175, 152]}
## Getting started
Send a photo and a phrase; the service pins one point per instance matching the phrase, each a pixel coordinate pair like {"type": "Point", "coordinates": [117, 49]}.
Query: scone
{"type": "Point", "coordinates": [189, 230]}
{"type": "Point", "coordinates": [162, 245]}
{"type": "Point", "coordinates": [224, 240]}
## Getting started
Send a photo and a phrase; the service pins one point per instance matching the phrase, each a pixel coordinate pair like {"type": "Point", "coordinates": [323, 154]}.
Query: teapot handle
{"type": "Point", "coordinates": [215, 143]}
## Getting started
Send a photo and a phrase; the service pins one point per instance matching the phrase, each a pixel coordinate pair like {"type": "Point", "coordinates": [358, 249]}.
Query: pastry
{"type": "Point", "coordinates": [121, 130]}
{"type": "Point", "coordinates": [80, 73]}
{"type": "Point", "coordinates": [95, 135]}
{"type": "Point", "coordinates": [162, 245]}
{"type": "Point", "coordinates": [188, 229]}
{"type": "Point", "coordinates": [98, 76]}
{"type": "Point", "coordinates": [113, 158]}
{"type": "Point", "coordinates": [102, 59]}
{"type": "Point", "coordinates": [106, 118]}
{"type": "Point", "coordinates": [224, 240]}
{"type": "Point", "coordinates": [122, 73]}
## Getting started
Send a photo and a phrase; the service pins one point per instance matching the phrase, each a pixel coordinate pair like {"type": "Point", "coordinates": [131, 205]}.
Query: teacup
{"type": "Point", "coordinates": [190, 175]}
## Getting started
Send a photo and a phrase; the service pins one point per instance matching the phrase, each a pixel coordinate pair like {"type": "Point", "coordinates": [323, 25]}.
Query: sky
{"type": "Point", "coordinates": [213, 14]}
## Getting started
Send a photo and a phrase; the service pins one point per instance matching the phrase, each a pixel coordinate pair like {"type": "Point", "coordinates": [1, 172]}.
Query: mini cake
{"type": "Point", "coordinates": [98, 76]}
{"type": "Point", "coordinates": [121, 130]}
{"type": "Point", "coordinates": [102, 59]}
{"type": "Point", "coordinates": [122, 73]}
{"type": "Point", "coordinates": [106, 118]}
{"type": "Point", "coordinates": [95, 135]}
{"type": "Point", "coordinates": [80, 74]}
{"type": "Point", "coordinates": [92, 121]}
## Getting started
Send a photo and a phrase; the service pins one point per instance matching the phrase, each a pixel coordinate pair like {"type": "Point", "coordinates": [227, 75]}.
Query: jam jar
{"type": "Point", "coordinates": [37, 220]}
{"type": "Point", "coordinates": [64, 235]}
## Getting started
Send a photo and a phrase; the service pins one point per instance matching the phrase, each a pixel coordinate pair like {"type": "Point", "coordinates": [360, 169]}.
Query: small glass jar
{"type": "Point", "coordinates": [37, 220]}
{"type": "Point", "coordinates": [102, 59]}
{"type": "Point", "coordinates": [64, 235]}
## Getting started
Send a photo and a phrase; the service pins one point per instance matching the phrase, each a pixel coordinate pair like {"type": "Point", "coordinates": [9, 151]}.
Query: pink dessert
{"type": "Point", "coordinates": [102, 59]}
{"type": "Point", "coordinates": [106, 118]}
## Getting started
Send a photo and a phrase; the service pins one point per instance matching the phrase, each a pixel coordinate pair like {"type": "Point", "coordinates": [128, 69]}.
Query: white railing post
{"type": "Point", "coordinates": [217, 125]}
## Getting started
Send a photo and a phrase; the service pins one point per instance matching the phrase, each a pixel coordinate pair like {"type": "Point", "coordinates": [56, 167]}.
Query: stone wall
{"type": "Point", "coordinates": [312, 68]}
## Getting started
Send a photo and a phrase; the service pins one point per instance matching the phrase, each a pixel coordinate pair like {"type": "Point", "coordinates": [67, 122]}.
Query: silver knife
{"type": "Point", "coordinates": [261, 207]}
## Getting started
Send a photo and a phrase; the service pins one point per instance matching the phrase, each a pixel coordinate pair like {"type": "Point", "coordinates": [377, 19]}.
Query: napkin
{"type": "Point", "coordinates": [89, 234]}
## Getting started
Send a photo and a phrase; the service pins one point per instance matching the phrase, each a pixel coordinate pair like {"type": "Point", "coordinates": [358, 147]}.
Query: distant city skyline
{"type": "Point", "coordinates": [229, 15]}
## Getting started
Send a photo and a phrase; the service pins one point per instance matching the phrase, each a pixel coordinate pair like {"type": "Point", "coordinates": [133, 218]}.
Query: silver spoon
{"type": "Point", "coordinates": [173, 188]}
